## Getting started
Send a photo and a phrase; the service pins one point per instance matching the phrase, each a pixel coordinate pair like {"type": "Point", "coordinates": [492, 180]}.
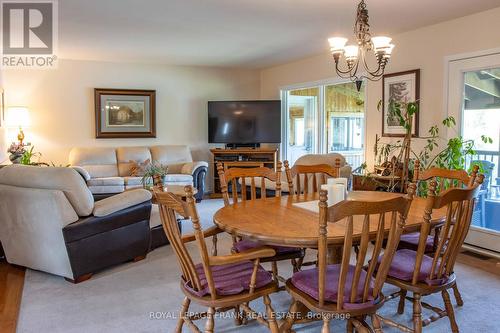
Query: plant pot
{"type": "Point", "coordinates": [15, 158]}
{"type": "Point", "coordinates": [158, 180]}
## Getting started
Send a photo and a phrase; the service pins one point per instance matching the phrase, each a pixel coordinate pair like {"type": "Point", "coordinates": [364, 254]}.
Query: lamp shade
{"type": "Point", "coordinates": [17, 116]}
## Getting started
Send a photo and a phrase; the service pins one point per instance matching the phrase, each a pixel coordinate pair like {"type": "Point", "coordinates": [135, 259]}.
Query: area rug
{"type": "Point", "coordinates": [145, 297]}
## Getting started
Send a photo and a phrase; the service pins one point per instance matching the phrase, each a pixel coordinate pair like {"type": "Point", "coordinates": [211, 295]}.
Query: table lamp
{"type": "Point", "coordinates": [19, 117]}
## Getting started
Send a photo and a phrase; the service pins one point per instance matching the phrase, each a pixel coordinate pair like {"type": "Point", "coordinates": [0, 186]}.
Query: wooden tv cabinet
{"type": "Point", "coordinates": [242, 158]}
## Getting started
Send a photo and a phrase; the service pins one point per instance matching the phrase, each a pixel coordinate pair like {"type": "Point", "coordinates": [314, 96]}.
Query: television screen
{"type": "Point", "coordinates": [244, 122]}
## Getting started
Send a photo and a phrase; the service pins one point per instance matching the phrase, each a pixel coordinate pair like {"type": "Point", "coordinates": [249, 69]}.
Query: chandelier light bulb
{"type": "Point", "coordinates": [381, 43]}
{"type": "Point", "coordinates": [351, 52]}
{"type": "Point", "coordinates": [337, 44]}
{"type": "Point", "coordinates": [388, 51]}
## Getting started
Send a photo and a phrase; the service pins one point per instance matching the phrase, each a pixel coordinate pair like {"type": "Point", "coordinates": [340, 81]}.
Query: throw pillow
{"type": "Point", "coordinates": [138, 169]}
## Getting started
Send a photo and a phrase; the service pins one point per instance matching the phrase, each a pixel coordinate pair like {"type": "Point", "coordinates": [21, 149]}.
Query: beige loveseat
{"type": "Point", "coordinates": [108, 170]}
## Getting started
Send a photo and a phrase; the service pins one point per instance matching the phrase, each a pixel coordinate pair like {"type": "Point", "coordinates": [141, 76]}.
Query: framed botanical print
{"type": "Point", "coordinates": [399, 87]}
{"type": "Point", "coordinates": [121, 113]}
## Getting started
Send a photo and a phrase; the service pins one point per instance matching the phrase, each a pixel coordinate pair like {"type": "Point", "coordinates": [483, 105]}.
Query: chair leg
{"type": "Point", "coordinates": [449, 311]}
{"type": "Point", "coordinates": [182, 314]}
{"type": "Point", "coordinates": [274, 267]}
{"type": "Point", "coordinates": [290, 318]}
{"type": "Point", "coordinates": [349, 328]}
{"type": "Point", "coordinates": [271, 316]}
{"type": "Point", "coordinates": [417, 313]}
{"type": "Point", "coordinates": [358, 325]}
{"type": "Point", "coordinates": [458, 296]}
{"type": "Point", "coordinates": [402, 299]}
{"type": "Point", "coordinates": [238, 321]}
{"type": "Point", "coordinates": [326, 324]}
{"type": "Point", "coordinates": [209, 326]}
{"type": "Point", "coordinates": [377, 325]}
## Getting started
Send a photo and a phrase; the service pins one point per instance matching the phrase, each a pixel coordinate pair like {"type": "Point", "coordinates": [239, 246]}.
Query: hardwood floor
{"type": "Point", "coordinates": [12, 281]}
{"type": "Point", "coordinates": [11, 290]}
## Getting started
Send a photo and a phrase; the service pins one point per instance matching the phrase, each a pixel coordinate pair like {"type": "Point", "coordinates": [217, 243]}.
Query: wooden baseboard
{"type": "Point", "coordinates": [11, 291]}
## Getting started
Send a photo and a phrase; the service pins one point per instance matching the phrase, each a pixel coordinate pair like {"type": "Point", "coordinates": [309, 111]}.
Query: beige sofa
{"type": "Point", "coordinates": [107, 170]}
{"type": "Point", "coordinates": [50, 222]}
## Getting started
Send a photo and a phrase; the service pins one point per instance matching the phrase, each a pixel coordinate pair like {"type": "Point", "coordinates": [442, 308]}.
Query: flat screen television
{"type": "Point", "coordinates": [244, 122]}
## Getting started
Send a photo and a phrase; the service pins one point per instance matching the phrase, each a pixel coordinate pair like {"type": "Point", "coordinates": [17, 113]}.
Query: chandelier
{"type": "Point", "coordinates": [355, 55]}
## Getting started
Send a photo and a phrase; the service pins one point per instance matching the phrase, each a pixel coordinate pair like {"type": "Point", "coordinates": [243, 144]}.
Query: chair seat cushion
{"type": "Point", "coordinates": [410, 241]}
{"type": "Point", "coordinates": [246, 244]}
{"type": "Point", "coordinates": [231, 279]}
{"type": "Point", "coordinates": [403, 266]}
{"type": "Point", "coordinates": [307, 281]}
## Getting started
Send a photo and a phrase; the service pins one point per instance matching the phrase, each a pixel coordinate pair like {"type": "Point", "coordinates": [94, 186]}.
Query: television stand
{"type": "Point", "coordinates": [241, 158]}
{"type": "Point", "coordinates": [242, 145]}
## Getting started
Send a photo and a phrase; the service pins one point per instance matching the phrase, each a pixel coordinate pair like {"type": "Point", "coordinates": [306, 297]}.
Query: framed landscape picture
{"type": "Point", "coordinates": [399, 87]}
{"type": "Point", "coordinates": [121, 113]}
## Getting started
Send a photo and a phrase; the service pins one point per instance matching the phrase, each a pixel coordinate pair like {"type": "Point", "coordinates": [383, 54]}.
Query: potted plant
{"type": "Point", "coordinates": [16, 151]}
{"type": "Point", "coordinates": [154, 173]}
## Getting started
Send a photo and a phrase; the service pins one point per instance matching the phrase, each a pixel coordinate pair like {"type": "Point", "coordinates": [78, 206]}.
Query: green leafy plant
{"type": "Point", "coordinates": [152, 171]}
{"type": "Point", "coordinates": [452, 156]}
{"type": "Point", "coordinates": [28, 155]}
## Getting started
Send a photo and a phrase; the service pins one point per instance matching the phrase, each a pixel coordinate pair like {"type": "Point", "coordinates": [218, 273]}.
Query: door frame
{"type": "Point", "coordinates": [481, 240]}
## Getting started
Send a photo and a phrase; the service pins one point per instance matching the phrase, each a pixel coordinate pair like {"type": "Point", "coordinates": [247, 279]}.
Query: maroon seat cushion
{"type": "Point", "coordinates": [403, 266]}
{"type": "Point", "coordinates": [246, 244]}
{"type": "Point", "coordinates": [307, 281]}
{"type": "Point", "coordinates": [231, 279]}
{"type": "Point", "coordinates": [410, 241]}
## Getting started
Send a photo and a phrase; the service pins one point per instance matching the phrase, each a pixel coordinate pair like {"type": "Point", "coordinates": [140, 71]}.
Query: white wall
{"type": "Point", "coordinates": [424, 48]}
{"type": "Point", "coordinates": [61, 101]}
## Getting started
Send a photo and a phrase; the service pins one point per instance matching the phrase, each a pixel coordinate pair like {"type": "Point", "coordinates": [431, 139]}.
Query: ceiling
{"type": "Point", "coordinates": [232, 33]}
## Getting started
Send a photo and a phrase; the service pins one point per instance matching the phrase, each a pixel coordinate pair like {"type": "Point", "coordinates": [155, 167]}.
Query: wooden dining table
{"type": "Point", "coordinates": [279, 221]}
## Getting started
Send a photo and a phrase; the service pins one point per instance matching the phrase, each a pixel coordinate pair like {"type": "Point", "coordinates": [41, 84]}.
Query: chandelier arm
{"type": "Point", "coordinates": [371, 72]}
{"type": "Point", "coordinates": [347, 72]}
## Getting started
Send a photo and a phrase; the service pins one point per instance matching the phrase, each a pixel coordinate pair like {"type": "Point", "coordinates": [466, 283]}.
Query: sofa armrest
{"type": "Point", "coordinates": [199, 171]}
{"type": "Point", "coordinates": [121, 201]}
{"type": "Point", "coordinates": [84, 173]}
{"type": "Point", "coordinates": [190, 167]}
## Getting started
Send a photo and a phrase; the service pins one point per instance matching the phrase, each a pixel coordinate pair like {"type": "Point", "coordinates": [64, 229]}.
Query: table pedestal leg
{"type": "Point", "coordinates": [334, 255]}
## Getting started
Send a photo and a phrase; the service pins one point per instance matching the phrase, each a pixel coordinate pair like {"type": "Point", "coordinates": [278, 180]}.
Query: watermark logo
{"type": "Point", "coordinates": [29, 34]}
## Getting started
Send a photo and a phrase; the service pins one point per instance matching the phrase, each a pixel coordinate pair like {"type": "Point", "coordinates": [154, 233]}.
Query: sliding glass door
{"type": "Point", "coordinates": [324, 119]}
{"type": "Point", "coordinates": [345, 121]}
{"type": "Point", "coordinates": [474, 100]}
{"type": "Point", "coordinates": [302, 109]}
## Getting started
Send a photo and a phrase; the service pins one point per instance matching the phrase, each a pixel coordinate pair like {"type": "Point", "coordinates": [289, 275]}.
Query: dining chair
{"type": "Point", "coordinates": [353, 288]}
{"type": "Point", "coordinates": [306, 180]}
{"type": "Point", "coordinates": [423, 274]}
{"type": "Point", "coordinates": [445, 179]}
{"type": "Point", "coordinates": [251, 177]}
{"type": "Point", "coordinates": [221, 283]}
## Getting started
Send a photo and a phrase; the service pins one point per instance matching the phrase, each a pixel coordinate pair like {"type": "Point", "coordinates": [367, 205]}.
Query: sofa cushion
{"type": "Point", "coordinates": [99, 162]}
{"type": "Point", "coordinates": [107, 189]}
{"type": "Point", "coordinates": [120, 201]}
{"type": "Point", "coordinates": [179, 179]}
{"type": "Point", "coordinates": [133, 181]}
{"type": "Point", "coordinates": [174, 156]}
{"type": "Point", "coordinates": [66, 180]}
{"type": "Point", "coordinates": [126, 156]}
{"type": "Point", "coordinates": [106, 181]}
